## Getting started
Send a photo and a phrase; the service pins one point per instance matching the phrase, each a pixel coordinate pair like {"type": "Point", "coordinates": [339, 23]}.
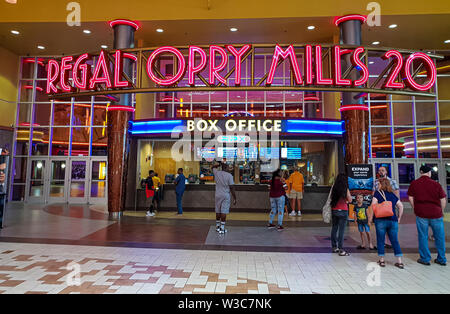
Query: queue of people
{"type": "Point", "coordinates": [427, 199]}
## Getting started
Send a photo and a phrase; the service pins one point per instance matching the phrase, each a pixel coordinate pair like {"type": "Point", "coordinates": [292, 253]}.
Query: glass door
{"type": "Point", "coordinates": [447, 178]}
{"type": "Point", "coordinates": [36, 184]}
{"type": "Point", "coordinates": [57, 190]}
{"type": "Point", "coordinates": [98, 183]}
{"type": "Point", "coordinates": [406, 173]}
{"type": "Point", "coordinates": [386, 163]}
{"type": "Point", "coordinates": [78, 181]}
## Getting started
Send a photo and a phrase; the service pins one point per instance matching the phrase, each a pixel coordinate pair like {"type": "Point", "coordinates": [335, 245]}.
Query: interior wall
{"type": "Point", "coordinates": [9, 72]}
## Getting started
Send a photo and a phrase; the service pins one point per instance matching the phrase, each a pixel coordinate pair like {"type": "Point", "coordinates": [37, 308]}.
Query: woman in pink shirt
{"type": "Point", "coordinates": [340, 197]}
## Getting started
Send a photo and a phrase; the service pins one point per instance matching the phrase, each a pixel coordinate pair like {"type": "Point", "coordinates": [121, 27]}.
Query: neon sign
{"type": "Point", "coordinates": [307, 66]}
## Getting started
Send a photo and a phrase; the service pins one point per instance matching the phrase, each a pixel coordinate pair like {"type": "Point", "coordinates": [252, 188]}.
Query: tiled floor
{"type": "Point", "coordinates": [185, 255]}
{"type": "Point", "coordinates": [44, 268]}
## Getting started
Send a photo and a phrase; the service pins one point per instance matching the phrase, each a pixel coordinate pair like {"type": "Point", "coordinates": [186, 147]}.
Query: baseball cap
{"type": "Point", "coordinates": [425, 169]}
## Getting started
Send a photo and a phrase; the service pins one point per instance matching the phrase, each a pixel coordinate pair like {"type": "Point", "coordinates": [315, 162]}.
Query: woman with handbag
{"type": "Point", "coordinates": [340, 197]}
{"type": "Point", "coordinates": [386, 220]}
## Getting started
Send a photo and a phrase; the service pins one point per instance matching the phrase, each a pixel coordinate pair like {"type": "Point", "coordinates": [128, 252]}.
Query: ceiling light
{"type": "Point", "coordinates": [15, 32]}
{"type": "Point", "coordinates": [159, 30]}
{"type": "Point", "coordinates": [447, 41]}
{"type": "Point", "coordinates": [311, 27]}
{"type": "Point", "coordinates": [11, 1]}
{"type": "Point", "coordinates": [233, 29]}
{"type": "Point", "coordinates": [371, 62]}
{"type": "Point", "coordinates": [41, 47]}
{"type": "Point", "coordinates": [376, 43]}
{"type": "Point", "coordinates": [104, 47]}
{"type": "Point", "coordinates": [86, 31]}
{"type": "Point", "coordinates": [393, 26]}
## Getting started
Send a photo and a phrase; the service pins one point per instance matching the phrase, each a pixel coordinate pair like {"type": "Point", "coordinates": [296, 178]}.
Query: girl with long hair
{"type": "Point", "coordinates": [340, 197]}
{"type": "Point", "coordinates": [276, 194]}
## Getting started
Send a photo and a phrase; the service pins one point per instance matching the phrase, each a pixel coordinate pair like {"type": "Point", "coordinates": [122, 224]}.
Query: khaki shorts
{"type": "Point", "coordinates": [295, 195]}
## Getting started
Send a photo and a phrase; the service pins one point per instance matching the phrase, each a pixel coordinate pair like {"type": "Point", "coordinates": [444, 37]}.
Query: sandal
{"type": "Point", "coordinates": [382, 263]}
{"type": "Point", "coordinates": [360, 247]}
{"type": "Point", "coordinates": [343, 253]}
{"type": "Point", "coordinates": [373, 248]}
{"type": "Point", "coordinates": [335, 250]}
{"type": "Point", "coordinates": [399, 265]}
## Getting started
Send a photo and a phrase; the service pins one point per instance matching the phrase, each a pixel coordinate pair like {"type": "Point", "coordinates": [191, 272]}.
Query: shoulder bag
{"type": "Point", "coordinates": [384, 209]}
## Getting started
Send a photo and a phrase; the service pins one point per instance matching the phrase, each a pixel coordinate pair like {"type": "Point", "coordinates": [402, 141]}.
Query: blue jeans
{"type": "Point", "coordinates": [277, 205]}
{"type": "Point", "coordinates": [339, 221]}
{"type": "Point", "coordinates": [383, 226]}
{"type": "Point", "coordinates": [179, 201]}
{"type": "Point", "coordinates": [437, 225]}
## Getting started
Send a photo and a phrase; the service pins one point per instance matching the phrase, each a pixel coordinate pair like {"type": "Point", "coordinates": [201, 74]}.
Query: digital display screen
{"type": "Point", "coordinates": [206, 153]}
{"type": "Point", "coordinates": [291, 153]}
{"type": "Point", "coordinates": [269, 152]}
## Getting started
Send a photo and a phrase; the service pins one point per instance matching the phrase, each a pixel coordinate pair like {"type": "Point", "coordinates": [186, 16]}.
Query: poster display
{"type": "Point", "coordinates": [361, 181]}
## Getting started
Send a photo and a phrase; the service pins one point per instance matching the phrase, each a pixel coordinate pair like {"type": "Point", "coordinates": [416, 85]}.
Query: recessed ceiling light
{"type": "Point", "coordinates": [447, 41]}
{"type": "Point", "coordinates": [376, 43]}
{"type": "Point", "coordinates": [15, 32]}
{"type": "Point", "coordinates": [104, 47]}
{"type": "Point", "coordinates": [233, 29]}
{"type": "Point", "coordinates": [393, 26]}
{"type": "Point", "coordinates": [311, 27]}
{"type": "Point", "coordinates": [41, 47]}
{"type": "Point", "coordinates": [86, 31]}
{"type": "Point", "coordinates": [159, 30]}
{"type": "Point", "coordinates": [371, 62]}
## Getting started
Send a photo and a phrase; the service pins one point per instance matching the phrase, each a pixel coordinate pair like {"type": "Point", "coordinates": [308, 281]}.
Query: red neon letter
{"type": "Point", "coordinates": [238, 56]}
{"type": "Point", "coordinates": [213, 69]}
{"type": "Point", "coordinates": [181, 66]}
{"type": "Point", "coordinates": [86, 70]}
{"type": "Point", "coordinates": [308, 65]}
{"type": "Point", "coordinates": [192, 69]}
{"type": "Point", "coordinates": [390, 82]}
{"type": "Point", "coordinates": [337, 67]}
{"type": "Point", "coordinates": [101, 65]}
{"type": "Point", "coordinates": [118, 69]}
{"type": "Point", "coordinates": [356, 61]}
{"type": "Point", "coordinates": [431, 71]}
{"type": "Point", "coordinates": [63, 81]}
{"type": "Point", "coordinates": [52, 75]}
{"type": "Point", "coordinates": [319, 79]}
{"type": "Point", "coordinates": [294, 64]}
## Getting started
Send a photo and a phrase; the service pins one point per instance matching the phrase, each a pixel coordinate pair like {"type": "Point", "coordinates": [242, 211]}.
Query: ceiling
{"type": "Point", "coordinates": [413, 32]}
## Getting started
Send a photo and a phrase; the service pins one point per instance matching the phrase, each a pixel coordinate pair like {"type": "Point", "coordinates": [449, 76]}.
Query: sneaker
{"type": "Point", "coordinates": [271, 226]}
{"type": "Point", "coordinates": [218, 229]}
{"type": "Point", "coordinates": [440, 263]}
{"type": "Point", "coordinates": [299, 213]}
{"type": "Point", "coordinates": [150, 214]}
{"type": "Point", "coordinates": [280, 228]}
{"type": "Point", "coordinates": [292, 213]}
{"type": "Point", "coordinates": [223, 231]}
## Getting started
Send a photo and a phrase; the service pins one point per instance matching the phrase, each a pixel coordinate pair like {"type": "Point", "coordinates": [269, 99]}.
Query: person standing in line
{"type": "Point", "coordinates": [383, 173]}
{"type": "Point", "coordinates": [296, 183]}
{"type": "Point", "coordinates": [157, 188]}
{"type": "Point", "coordinates": [362, 222]}
{"type": "Point", "coordinates": [150, 192]}
{"type": "Point", "coordinates": [276, 194]}
{"type": "Point", "coordinates": [287, 201]}
{"type": "Point", "coordinates": [180, 187]}
{"type": "Point", "coordinates": [224, 187]}
{"type": "Point", "coordinates": [387, 224]}
{"type": "Point", "coordinates": [340, 197]}
{"type": "Point", "coordinates": [428, 200]}
{"type": "Point", "coordinates": [2, 186]}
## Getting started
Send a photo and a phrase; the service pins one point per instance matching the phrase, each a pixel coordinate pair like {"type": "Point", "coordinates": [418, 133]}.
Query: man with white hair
{"type": "Point", "coordinates": [428, 200]}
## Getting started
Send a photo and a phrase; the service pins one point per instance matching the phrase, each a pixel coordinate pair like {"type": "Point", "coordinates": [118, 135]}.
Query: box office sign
{"type": "Point", "coordinates": [361, 181]}
{"type": "Point", "coordinates": [204, 68]}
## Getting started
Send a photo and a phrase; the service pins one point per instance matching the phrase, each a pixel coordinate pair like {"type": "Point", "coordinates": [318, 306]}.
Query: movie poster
{"type": "Point", "coordinates": [361, 181]}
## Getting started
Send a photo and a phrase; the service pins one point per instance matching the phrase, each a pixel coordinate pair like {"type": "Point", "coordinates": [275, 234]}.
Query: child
{"type": "Point", "coordinates": [362, 222]}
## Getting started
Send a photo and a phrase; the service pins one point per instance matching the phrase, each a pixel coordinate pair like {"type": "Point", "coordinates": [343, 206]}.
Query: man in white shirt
{"type": "Point", "coordinates": [224, 187]}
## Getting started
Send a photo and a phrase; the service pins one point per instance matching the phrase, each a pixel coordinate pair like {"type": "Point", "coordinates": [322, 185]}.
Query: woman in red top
{"type": "Point", "coordinates": [277, 192]}
{"type": "Point", "coordinates": [340, 197]}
